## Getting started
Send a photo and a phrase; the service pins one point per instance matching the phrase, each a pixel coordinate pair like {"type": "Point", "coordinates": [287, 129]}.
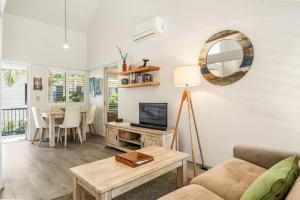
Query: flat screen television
{"type": "Point", "coordinates": [153, 114]}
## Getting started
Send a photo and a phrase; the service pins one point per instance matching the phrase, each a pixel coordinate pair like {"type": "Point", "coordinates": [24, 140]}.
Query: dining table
{"type": "Point", "coordinates": [52, 115]}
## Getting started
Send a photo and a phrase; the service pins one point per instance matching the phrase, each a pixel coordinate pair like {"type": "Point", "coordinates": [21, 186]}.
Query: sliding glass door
{"type": "Point", "coordinates": [110, 94]}
{"type": "Point", "coordinates": [14, 98]}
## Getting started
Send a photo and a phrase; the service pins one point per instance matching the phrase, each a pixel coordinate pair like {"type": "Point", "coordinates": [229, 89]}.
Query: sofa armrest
{"type": "Point", "coordinates": [264, 157]}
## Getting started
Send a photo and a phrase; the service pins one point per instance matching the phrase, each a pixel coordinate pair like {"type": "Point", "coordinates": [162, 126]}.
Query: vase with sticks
{"type": "Point", "coordinates": [124, 58]}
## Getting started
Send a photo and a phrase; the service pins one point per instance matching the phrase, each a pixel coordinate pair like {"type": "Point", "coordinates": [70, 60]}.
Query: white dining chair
{"type": "Point", "coordinates": [91, 119]}
{"type": "Point", "coordinates": [71, 121]}
{"type": "Point", "coordinates": [40, 124]}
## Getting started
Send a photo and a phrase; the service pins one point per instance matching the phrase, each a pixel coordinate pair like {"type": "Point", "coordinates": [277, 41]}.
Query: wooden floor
{"type": "Point", "coordinates": [33, 172]}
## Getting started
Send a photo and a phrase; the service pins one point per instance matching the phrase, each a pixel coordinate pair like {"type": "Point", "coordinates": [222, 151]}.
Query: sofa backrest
{"type": "Point", "coordinates": [264, 157]}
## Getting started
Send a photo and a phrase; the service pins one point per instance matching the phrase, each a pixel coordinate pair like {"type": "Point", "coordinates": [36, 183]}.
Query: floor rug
{"type": "Point", "coordinates": [149, 191]}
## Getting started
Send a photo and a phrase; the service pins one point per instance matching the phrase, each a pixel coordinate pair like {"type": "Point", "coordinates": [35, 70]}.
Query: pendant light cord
{"type": "Point", "coordinates": [65, 21]}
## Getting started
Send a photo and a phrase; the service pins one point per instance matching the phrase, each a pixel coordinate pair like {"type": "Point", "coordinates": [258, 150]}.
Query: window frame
{"type": "Point", "coordinates": [66, 84]}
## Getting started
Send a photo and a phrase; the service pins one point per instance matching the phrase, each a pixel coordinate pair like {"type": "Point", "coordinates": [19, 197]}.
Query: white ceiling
{"type": "Point", "coordinates": [80, 12]}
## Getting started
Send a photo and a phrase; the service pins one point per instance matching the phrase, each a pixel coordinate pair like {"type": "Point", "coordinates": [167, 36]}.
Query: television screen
{"type": "Point", "coordinates": [154, 114]}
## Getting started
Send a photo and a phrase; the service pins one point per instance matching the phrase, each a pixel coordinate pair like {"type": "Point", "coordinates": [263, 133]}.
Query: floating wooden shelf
{"type": "Point", "coordinates": [140, 70]}
{"type": "Point", "coordinates": [140, 85]}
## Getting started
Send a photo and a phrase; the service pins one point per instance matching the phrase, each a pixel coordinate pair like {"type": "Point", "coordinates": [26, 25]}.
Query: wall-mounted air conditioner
{"type": "Point", "coordinates": [147, 29]}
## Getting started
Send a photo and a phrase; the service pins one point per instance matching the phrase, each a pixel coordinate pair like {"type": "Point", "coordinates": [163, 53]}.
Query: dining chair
{"type": "Point", "coordinates": [40, 124]}
{"type": "Point", "coordinates": [71, 121]}
{"type": "Point", "coordinates": [91, 119]}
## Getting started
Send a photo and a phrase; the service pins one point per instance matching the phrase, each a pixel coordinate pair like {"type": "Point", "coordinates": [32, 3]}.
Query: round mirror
{"type": "Point", "coordinates": [226, 57]}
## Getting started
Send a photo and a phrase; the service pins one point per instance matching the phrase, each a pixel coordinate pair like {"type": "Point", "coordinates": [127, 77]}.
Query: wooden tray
{"type": "Point", "coordinates": [134, 159]}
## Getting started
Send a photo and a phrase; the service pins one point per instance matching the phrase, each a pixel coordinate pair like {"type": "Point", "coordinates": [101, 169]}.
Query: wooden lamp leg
{"type": "Point", "coordinates": [191, 133]}
{"type": "Point", "coordinates": [186, 96]}
{"type": "Point", "coordinates": [197, 134]}
{"type": "Point", "coordinates": [175, 136]}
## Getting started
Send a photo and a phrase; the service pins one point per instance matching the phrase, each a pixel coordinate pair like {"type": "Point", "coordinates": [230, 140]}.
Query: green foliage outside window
{"type": "Point", "coordinates": [113, 99]}
{"type": "Point", "coordinates": [10, 128]}
{"type": "Point", "coordinates": [57, 78]}
{"type": "Point", "coordinates": [76, 97]}
{"type": "Point", "coordinates": [61, 99]}
{"type": "Point", "coordinates": [11, 76]}
{"type": "Point", "coordinates": [22, 125]}
{"type": "Point", "coordinates": [59, 82]}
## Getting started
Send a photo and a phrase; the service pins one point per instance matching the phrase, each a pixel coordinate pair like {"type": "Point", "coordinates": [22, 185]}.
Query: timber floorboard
{"type": "Point", "coordinates": [33, 172]}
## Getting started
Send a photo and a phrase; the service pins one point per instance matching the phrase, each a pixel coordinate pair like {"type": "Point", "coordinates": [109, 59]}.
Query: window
{"type": "Point", "coordinates": [113, 94]}
{"type": "Point", "coordinates": [76, 84]}
{"type": "Point", "coordinates": [66, 86]}
{"type": "Point", "coordinates": [57, 87]}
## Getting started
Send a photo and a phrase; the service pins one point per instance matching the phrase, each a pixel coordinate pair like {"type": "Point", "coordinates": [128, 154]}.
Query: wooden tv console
{"type": "Point", "coordinates": [126, 138]}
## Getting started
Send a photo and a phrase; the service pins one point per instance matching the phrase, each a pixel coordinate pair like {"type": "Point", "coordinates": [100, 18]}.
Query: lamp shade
{"type": "Point", "coordinates": [186, 76]}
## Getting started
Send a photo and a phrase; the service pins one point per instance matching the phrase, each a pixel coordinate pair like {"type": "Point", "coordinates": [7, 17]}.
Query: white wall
{"type": "Point", "coordinates": [262, 108]}
{"type": "Point", "coordinates": [30, 41]}
{"type": "Point", "coordinates": [98, 101]}
{"type": "Point", "coordinates": [37, 98]}
{"type": "Point", "coordinates": [40, 46]}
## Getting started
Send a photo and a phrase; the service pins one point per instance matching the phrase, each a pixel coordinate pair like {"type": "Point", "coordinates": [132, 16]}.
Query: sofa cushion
{"type": "Point", "coordinates": [294, 193]}
{"type": "Point", "coordinates": [191, 192]}
{"type": "Point", "coordinates": [230, 179]}
{"type": "Point", "coordinates": [274, 183]}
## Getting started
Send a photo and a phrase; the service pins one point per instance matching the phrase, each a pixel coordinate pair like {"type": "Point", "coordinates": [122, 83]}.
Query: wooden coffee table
{"type": "Point", "coordinates": [107, 178]}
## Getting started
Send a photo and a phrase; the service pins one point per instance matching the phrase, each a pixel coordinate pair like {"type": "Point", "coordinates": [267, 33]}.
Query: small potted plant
{"type": "Point", "coordinates": [124, 58]}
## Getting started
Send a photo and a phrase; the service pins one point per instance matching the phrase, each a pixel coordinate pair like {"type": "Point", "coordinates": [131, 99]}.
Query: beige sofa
{"type": "Point", "coordinates": [229, 180]}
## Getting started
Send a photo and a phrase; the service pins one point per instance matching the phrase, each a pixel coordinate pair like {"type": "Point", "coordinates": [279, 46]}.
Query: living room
{"type": "Point", "coordinates": [134, 53]}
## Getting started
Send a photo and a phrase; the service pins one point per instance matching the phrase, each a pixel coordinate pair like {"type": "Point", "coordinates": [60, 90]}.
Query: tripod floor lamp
{"type": "Point", "coordinates": [188, 76]}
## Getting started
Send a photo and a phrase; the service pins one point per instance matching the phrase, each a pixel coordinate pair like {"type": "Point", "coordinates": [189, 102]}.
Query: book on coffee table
{"type": "Point", "coordinates": [133, 159]}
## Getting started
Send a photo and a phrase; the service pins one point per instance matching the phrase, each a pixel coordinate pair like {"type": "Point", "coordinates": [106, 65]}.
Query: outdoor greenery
{"type": "Point", "coordinates": [76, 97]}
{"type": "Point", "coordinates": [75, 83]}
{"type": "Point", "coordinates": [22, 125]}
{"type": "Point", "coordinates": [113, 99]}
{"type": "Point", "coordinates": [10, 128]}
{"type": "Point", "coordinates": [57, 81]}
{"type": "Point", "coordinates": [11, 76]}
{"type": "Point", "coordinates": [61, 99]}
{"type": "Point", "coordinates": [57, 78]}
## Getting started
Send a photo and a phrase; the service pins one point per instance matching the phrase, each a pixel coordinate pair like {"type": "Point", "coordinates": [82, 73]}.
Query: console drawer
{"type": "Point", "coordinates": [148, 141]}
{"type": "Point", "coordinates": [112, 136]}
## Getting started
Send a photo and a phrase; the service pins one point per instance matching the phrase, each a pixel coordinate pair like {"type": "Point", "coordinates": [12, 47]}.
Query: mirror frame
{"type": "Point", "coordinates": [248, 54]}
